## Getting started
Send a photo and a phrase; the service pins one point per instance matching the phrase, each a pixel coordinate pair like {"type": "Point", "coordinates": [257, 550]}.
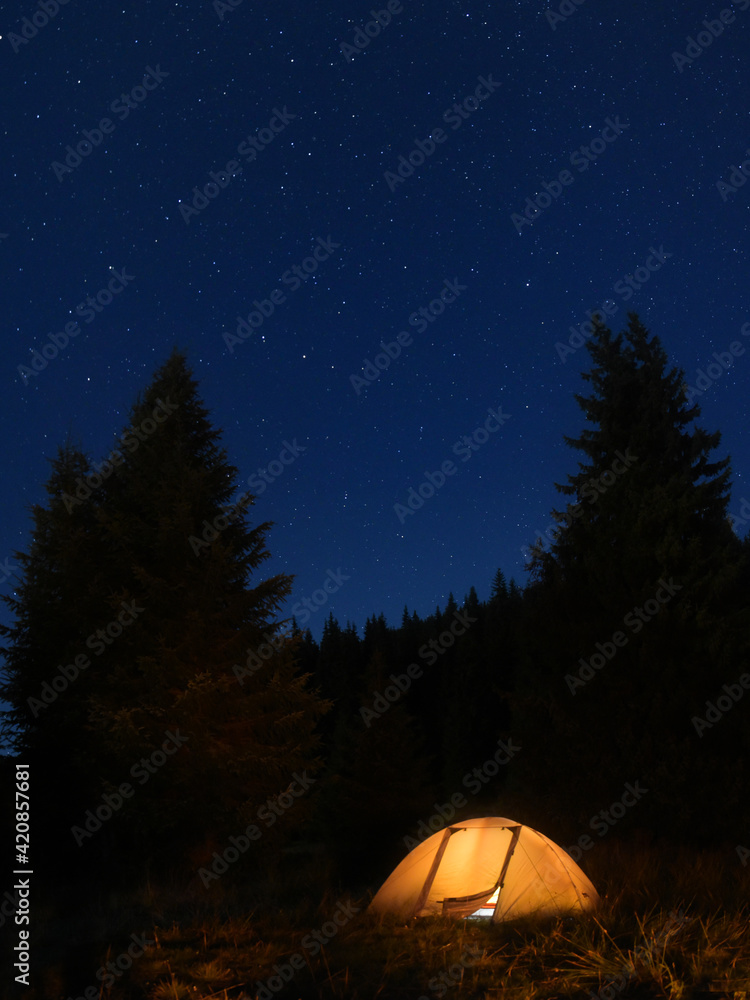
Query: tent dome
{"type": "Point", "coordinates": [458, 869]}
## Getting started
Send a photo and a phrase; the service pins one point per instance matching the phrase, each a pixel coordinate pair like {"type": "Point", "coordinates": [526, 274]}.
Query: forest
{"type": "Point", "coordinates": [209, 783]}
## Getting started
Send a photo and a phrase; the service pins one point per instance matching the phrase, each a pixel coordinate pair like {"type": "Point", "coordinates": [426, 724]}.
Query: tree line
{"type": "Point", "coordinates": [623, 659]}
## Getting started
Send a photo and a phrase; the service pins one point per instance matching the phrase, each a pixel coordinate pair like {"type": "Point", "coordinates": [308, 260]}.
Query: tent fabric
{"type": "Point", "coordinates": [456, 870]}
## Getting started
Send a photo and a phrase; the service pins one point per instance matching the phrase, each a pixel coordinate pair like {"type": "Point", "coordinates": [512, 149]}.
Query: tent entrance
{"type": "Point", "coordinates": [458, 905]}
{"type": "Point", "coordinates": [487, 908]}
{"type": "Point", "coordinates": [483, 904]}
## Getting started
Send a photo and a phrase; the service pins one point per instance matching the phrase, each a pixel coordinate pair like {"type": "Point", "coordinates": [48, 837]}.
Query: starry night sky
{"type": "Point", "coordinates": [327, 127]}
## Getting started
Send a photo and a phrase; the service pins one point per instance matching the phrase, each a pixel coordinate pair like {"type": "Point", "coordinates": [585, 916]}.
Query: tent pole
{"type": "Point", "coordinates": [421, 899]}
{"type": "Point", "coordinates": [501, 877]}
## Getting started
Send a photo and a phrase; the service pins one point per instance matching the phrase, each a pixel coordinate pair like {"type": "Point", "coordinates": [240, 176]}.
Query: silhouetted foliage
{"type": "Point", "coordinates": [160, 560]}
{"type": "Point", "coordinates": [637, 613]}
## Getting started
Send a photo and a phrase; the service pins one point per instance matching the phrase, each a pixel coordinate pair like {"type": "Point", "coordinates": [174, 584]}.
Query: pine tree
{"type": "Point", "coordinates": [192, 648]}
{"type": "Point", "coordinates": [377, 637]}
{"type": "Point", "coordinates": [377, 786]}
{"type": "Point", "coordinates": [339, 675]}
{"type": "Point", "coordinates": [645, 474]}
{"type": "Point", "coordinates": [49, 665]}
{"type": "Point", "coordinates": [609, 690]}
{"type": "Point", "coordinates": [450, 610]}
{"type": "Point", "coordinates": [499, 589]}
{"type": "Point", "coordinates": [501, 644]}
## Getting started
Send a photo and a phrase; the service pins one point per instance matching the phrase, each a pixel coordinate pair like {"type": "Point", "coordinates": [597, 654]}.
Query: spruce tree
{"type": "Point", "coordinates": [194, 654]}
{"type": "Point", "coordinates": [377, 786]}
{"type": "Point", "coordinates": [646, 475]}
{"type": "Point", "coordinates": [49, 666]}
{"type": "Point", "coordinates": [499, 589]}
{"type": "Point", "coordinates": [338, 673]}
{"type": "Point", "coordinates": [634, 615]}
{"type": "Point", "coordinates": [467, 718]}
{"type": "Point", "coordinates": [501, 647]}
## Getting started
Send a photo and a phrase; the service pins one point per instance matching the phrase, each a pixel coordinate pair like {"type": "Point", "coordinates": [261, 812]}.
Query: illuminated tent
{"type": "Point", "coordinates": [460, 869]}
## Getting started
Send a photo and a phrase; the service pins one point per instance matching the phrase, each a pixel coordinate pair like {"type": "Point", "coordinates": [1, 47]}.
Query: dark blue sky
{"type": "Point", "coordinates": [319, 135]}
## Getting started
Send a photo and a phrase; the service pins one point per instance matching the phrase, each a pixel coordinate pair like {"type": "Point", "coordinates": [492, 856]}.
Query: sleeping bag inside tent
{"type": "Point", "coordinates": [458, 870]}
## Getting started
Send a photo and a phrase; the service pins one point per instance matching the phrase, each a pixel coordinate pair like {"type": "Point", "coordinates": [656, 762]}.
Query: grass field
{"type": "Point", "coordinates": [673, 923]}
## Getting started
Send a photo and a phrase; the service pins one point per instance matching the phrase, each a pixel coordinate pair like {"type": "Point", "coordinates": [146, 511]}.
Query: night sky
{"type": "Point", "coordinates": [319, 227]}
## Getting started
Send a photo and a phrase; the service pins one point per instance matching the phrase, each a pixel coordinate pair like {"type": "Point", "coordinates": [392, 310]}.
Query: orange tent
{"type": "Point", "coordinates": [458, 870]}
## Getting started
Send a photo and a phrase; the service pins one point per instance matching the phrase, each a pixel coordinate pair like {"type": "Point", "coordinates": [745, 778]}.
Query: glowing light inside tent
{"type": "Point", "coordinates": [489, 907]}
{"type": "Point", "coordinates": [454, 872]}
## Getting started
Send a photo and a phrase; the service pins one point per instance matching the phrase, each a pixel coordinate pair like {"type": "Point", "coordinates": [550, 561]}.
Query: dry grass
{"type": "Point", "coordinates": [673, 924]}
